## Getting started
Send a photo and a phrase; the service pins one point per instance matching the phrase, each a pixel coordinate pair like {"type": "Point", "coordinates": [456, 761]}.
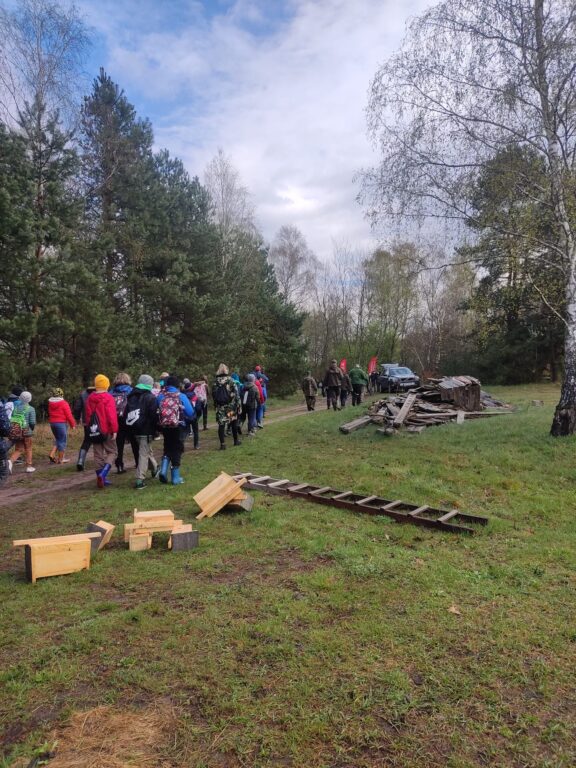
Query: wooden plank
{"type": "Point", "coordinates": [418, 511]}
{"type": "Point", "coordinates": [57, 559]}
{"type": "Point", "coordinates": [160, 515]}
{"type": "Point", "coordinates": [449, 515]}
{"type": "Point", "coordinates": [56, 539]}
{"type": "Point", "coordinates": [298, 487]}
{"type": "Point", "coordinates": [139, 542]}
{"type": "Point", "coordinates": [182, 540]}
{"type": "Point", "coordinates": [343, 495]}
{"type": "Point", "coordinates": [392, 505]}
{"type": "Point", "coordinates": [352, 426]}
{"type": "Point", "coordinates": [260, 479]}
{"type": "Point", "coordinates": [278, 483]}
{"type": "Point", "coordinates": [460, 416]}
{"type": "Point", "coordinates": [360, 502]}
{"type": "Point", "coordinates": [134, 528]}
{"type": "Point", "coordinates": [405, 410]}
{"type": "Point", "coordinates": [320, 491]}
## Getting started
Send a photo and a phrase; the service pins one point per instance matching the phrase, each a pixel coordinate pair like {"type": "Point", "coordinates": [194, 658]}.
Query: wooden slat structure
{"type": "Point", "coordinates": [222, 491]}
{"type": "Point", "coordinates": [401, 511]}
{"type": "Point", "coordinates": [56, 555]}
{"type": "Point", "coordinates": [104, 529]}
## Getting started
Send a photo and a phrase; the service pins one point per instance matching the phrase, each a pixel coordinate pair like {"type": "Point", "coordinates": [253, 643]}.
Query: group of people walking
{"type": "Point", "coordinates": [113, 415]}
{"type": "Point", "coordinates": [336, 385]}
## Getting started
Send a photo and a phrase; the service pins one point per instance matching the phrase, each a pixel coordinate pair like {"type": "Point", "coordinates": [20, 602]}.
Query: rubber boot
{"type": "Point", "coordinates": [99, 479]}
{"type": "Point", "coordinates": [81, 460]}
{"type": "Point", "coordinates": [162, 476]}
{"type": "Point", "coordinates": [102, 476]}
{"type": "Point", "coordinates": [176, 479]}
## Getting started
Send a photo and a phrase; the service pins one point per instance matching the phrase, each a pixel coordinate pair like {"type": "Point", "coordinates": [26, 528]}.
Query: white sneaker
{"type": "Point", "coordinates": [10, 466]}
{"type": "Point", "coordinates": [30, 469]}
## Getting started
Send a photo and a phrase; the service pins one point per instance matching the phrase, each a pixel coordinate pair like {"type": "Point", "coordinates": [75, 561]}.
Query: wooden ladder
{"type": "Point", "coordinates": [401, 511]}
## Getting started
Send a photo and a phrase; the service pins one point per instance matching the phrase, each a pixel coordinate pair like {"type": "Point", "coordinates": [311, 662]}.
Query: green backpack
{"type": "Point", "coordinates": [18, 422]}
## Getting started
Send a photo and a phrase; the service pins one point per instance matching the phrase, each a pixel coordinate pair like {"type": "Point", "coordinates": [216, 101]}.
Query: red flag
{"type": "Point", "coordinates": [343, 365]}
{"type": "Point", "coordinates": [372, 364]}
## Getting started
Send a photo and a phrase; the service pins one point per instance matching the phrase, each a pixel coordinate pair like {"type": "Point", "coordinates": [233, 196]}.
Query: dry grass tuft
{"type": "Point", "coordinates": [108, 738]}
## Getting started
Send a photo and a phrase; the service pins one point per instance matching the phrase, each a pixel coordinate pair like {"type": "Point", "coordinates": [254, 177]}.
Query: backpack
{"type": "Point", "coordinates": [250, 398]}
{"type": "Point", "coordinates": [18, 423]}
{"type": "Point", "coordinates": [221, 393]}
{"type": "Point", "coordinates": [169, 411]}
{"type": "Point", "coordinates": [120, 401]}
{"type": "Point", "coordinates": [95, 434]}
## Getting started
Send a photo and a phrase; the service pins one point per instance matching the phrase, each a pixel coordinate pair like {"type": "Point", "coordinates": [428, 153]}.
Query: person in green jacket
{"type": "Point", "coordinates": [358, 379]}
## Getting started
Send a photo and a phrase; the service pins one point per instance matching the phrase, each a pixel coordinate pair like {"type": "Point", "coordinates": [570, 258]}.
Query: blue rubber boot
{"type": "Point", "coordinates": [176, 479]}
{"type": "Point", "coordinates": [162, 476]}
{"type": "Point", "coordinates": [104, 472]}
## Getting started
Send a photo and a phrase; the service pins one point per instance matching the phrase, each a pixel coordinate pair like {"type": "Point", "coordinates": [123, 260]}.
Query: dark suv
{"type": "Point", "coordinates": [395, 378]}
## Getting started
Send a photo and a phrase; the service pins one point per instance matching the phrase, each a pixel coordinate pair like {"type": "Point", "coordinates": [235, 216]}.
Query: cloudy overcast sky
{"type": "Point", "coordinates": [280, 85]}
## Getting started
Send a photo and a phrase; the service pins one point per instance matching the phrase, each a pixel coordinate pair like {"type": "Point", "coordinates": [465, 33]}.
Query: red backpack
{"type": "Point", "coordinates": [169, 411]}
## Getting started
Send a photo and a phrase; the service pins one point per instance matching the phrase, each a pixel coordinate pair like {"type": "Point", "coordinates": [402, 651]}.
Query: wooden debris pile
{"type": "Point", "coordinates": [439, 401]}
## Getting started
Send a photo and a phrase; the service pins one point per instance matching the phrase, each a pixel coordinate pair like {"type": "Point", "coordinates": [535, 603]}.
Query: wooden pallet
{"type": "Point", "coordinates": [401, 511]}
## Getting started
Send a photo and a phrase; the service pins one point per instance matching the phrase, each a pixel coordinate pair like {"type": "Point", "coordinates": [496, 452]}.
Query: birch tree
{"type": "Point", "coordinates": [470, 80]}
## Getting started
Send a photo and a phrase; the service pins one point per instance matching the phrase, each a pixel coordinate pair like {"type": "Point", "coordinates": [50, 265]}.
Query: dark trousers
{"type": "Point", "coordinates": [310, 402]}
{"type": "Point", "coordinates": [222, 431]}
{"type": "Point", "coordinates": [332, 395]}
{"type": "Point", "coordinates": [174, 444]}
{"type": "Point", "coordinates": [357, 394]}
{"type": "Point", "coordinates": [86, 444]}
{"type": "Point", "coordinates": [343, 397]}
{"type": "Point", "coordinates": [205, 415]}
{"type": "Point", "coordinates": [194, 431]}
{"type": "Point", "coordinates": [121, 437]}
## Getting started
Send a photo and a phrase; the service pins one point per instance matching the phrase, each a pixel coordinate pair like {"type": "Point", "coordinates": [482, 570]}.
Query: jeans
{"type": "Point", "coordinates": [60, 432]}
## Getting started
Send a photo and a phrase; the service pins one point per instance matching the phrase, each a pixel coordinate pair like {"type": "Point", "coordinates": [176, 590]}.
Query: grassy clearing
{"type": "Point", "coordinates": [298, 635]}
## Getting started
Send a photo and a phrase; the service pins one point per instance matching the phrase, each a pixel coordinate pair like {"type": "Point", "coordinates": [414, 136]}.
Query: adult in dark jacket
{"type": "Point", "coordinates": [171, 400]}
{"type": "Point", "coordinates": [359, 379]}
{"type": "Point", "coordinates": [142, 425]}
{"type": "Point", "coordinates": [227, 405]}
{"type": "Point", "coordinates": [121, 388]}
{"type": "Point", "coordinates": [102, 404]}
{"type": "Point", "coordinates": [79, 413]}
{"type": "Point", "coordinates": [345, 388]}
{"type": "Point", "coordinates": [331, 385]}
{"type": "Point", "coordinates": [251, 399]}
{"type": "Point", "coordinates": [310, 388]}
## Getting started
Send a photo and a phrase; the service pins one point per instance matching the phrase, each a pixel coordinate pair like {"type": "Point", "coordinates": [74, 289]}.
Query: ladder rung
{"type": "Point", "coordinates": [260, 479]}
{"type": "Point", "coordinates": [298, 487]}
{"type": "Point", "coordinates": [392, 505]}
{"type": "Point", "coordinates": [320, 491]}
{"type": "Point", "coordinates": [366, 500]}
{"type": "Point", "coordinates": [278, 483]}
{"type": "Point", "coordinates": [342, 495]}
{"type": "Point", "coordinates": [449, 515]}
{"type": "Point", "coordinates": [418, 511]}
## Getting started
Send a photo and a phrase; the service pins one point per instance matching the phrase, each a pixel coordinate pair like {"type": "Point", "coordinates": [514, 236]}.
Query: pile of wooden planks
{"type": "Point", "coordinates": [439, 401]}
{"type": "Point", "coordinates": [138, 534]}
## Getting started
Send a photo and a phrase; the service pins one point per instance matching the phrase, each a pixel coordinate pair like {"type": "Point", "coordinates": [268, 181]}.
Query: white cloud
{"type": "Point", "coordinates": [284, 96]}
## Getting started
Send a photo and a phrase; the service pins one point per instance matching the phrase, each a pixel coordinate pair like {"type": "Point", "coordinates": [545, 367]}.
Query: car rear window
{"type": "Point", "coordinates": [401, 371]}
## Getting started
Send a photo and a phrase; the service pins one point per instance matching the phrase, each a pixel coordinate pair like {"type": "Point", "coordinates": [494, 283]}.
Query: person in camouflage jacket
{"type": "Point", "coordinates": [226, 404]}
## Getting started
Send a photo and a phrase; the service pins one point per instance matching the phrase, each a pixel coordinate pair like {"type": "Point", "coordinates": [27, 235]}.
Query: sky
{"type": "Point", "coordinates": [280, 85]}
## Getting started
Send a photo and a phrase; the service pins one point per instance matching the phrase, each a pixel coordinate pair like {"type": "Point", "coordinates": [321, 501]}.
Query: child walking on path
{"type": "Point", "coordinates": [174, 409]}
{"type": "Point", "coordinates": [24, 415]}
{"type": "Point", "coordinates": [103, 426]}
{"type": "Point", "coordinates": [60, 418]}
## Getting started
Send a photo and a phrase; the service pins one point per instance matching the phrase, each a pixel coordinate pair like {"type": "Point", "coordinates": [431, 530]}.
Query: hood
{"type": "Point", "coordinates": [99, 396]}
{"type": "Point", "coordinates": [122, 388]}
{"type": "Point", "coordinates": [55, 399]}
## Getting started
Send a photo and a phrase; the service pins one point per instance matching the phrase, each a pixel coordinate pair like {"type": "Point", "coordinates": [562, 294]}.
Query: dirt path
{"type": "Point", "coordinates": [21, 487]}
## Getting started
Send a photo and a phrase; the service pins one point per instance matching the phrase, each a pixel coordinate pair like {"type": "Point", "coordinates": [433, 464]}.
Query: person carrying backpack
{"type": "Point", "coordinates": [250, 402]}
{"type": "Point", "coordinates": [60, 418]}
{"type": "Point", "coordinates": [4, 445]}
{"type": "Point", "coordinates": [142, 423]}
{"type": "Point", "coordinates": [121, 388]}
{"type": "Point", "coordinates": [103, 426]}
{"type": "Point", "coordinates": [174, 410]}
{"type": "Point", "coordinates": [189, 390]}
{"type": "Point", "coordinates": [227, 405]}
{"type": "Point", "coordinates": [262, 382]}
{"type": "Point", "coordinates": [22, 423]}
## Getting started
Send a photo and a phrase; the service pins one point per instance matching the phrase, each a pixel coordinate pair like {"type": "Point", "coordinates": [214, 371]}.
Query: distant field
{"type": "Point", "coordinates": [303, 636]}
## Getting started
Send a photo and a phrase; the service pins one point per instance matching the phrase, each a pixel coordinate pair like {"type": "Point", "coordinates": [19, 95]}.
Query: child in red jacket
{"type": "Point", "coordinates": [103, 425]}
{"type": "Point", "coordinates": [60, 418]}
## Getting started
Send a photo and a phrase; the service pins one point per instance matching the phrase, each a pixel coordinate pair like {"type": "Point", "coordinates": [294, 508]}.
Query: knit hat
{"type": "Point", "coordinates": [57, 392]}
{"type": "Point", "coordinates": [25, 397]}
{"type": "Point", "coordinates": [148, 381]}
{"type": "Point", "coordinates": [102, 382]}
{"type": "Point", "coordinates": [17, 390]}
{"type": "Point", "coordinates": [186, 383]}
{"type": "Point", "coordinates": [258, 368]}
{"type": "Point", "coordinates": [250, 378]}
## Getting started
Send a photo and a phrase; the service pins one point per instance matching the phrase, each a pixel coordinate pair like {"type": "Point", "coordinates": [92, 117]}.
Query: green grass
{"type": "Point", "coordinates": [299, 635]}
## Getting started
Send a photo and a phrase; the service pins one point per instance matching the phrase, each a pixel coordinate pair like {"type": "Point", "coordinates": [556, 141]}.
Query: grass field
{"type": "Point", "coordinates": [302, 636]}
